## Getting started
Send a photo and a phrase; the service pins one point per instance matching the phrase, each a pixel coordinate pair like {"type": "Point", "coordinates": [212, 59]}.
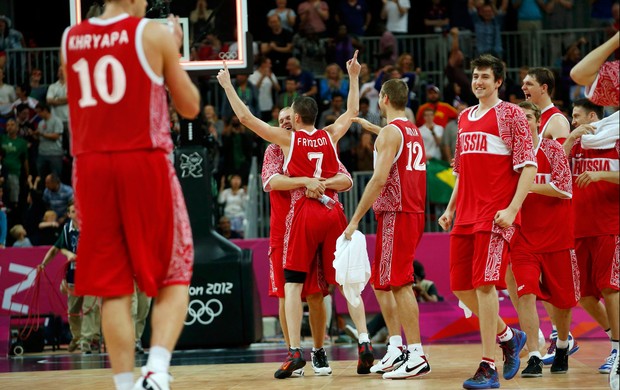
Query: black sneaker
{"type": "Point", "coordinates": [534, 368]}
{"type": "Point", "coordinates": [366, 358]}
{"type": "Point", "coordinates": [293, 362]}
{"type": "Point", "coordinates": [319, 362]}
{"type": "Point", "coordinates": [560, 361]}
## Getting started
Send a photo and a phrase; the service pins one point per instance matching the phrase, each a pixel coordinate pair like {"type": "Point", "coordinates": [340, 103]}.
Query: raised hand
{"type": "Point", "coordinates": [223, 77]}
{"type": "Point", "coordinates": [354, 67]}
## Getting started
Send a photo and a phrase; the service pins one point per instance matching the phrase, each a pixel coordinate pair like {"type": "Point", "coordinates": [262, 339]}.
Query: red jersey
{"type": "Point", "coordinates": [605, 90]}
{"type": "Point", "coordinates": [280, 201]}
{"type": "Point", "coordinates": [546, 221]}
{"type": "Point", "coordinates": [596, 207]}
{"type": "Point", "coordinates": [107, 76]}
{"type": "Point", "coordinates": [405, 188]}
{"type": "Point", "coordinates": [490, 152]}
{"type": "Point", "coordinates": [547, 113]}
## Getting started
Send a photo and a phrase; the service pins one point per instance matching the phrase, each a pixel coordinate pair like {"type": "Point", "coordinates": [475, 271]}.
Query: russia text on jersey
{"type": "Point", "coordinates": [595, 164]}
{"type": "Point", "coordinates": [481, 142]}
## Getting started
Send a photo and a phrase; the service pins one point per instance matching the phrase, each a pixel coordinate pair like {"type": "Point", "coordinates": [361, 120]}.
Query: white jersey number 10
{"type": "Point", "coordinates": [100, 76]}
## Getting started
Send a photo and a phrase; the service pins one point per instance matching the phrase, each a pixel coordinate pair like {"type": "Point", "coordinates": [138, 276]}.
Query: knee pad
{"type": "Point", "coordinates": [294, 276]}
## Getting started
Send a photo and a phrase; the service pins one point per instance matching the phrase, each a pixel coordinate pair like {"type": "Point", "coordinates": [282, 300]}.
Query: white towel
{"type": "Point", "coordinates": [352, 266]}
{"type": "Point", "coordinates": [607, 133]}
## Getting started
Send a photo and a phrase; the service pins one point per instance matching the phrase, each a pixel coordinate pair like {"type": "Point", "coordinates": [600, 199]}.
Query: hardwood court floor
{"type": "Point", "coordinates": [451, 364]}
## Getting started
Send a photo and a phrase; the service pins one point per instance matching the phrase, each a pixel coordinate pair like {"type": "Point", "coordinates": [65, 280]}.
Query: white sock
{"type": "Point", "coordinates": [505, 335]}
{"type": "Point", "coordinates": [614, 345]}
{"type": "Point", "coordinates": [123, 381]}
{"type": "Point", "coordinates": [562, 344]}
{"type": "Point", "coordinates": [416, 348]}
{"type": "Point", "coordinates": [159, 359]}
{"type": "Point", "coordinates": [554, 329]}
{"type": "Point", "coordinates": [363, 338]}
{"type": "Point", "coordinates": [396, 341]}
{"type": "Point", "coordinates": [535, 353]}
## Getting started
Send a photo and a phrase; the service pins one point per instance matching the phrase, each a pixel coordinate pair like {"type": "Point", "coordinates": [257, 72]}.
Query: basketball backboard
{"type": "Point", "coordinates": [217, 33]}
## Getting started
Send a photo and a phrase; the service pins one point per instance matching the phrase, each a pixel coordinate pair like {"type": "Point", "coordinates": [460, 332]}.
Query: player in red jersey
{"type": "Point", "coordinates": [596, 175]}
{"type": "Point", "coordinates": [495, 167]}
{"type": "Point", "coordinates": [397, 193]}
{"type": "Point", "coordinates": [601, 78]}
{"type": "Point", "coordinates": [309, 224]}
{"type": "Point", "coordinates": [543, 256]}
{"type": "Point", "coordinates": [279, 186]}
{"type": "Point", "coordinates": [129, 201]}
{"type": "Point", "coordinates": [538, 87]}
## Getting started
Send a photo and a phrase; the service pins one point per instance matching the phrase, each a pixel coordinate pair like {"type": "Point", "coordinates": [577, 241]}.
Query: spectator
{"type": "Point", "coordinates": [49, 133]}
{"type": "Point", "coordinates": [572, 91]}
{"type": "Point", "coordinates": [15, 157]}
{"type": "Point", "coordinates": [529, 20]}
{"type": "Point", "coordinates": [388, 47]}
{"type": "Point", "coordinates": [210, 47]}
{"type": "Point", "coordinates": [364, 152]}
{"type": "Point", "coordinates": [237, 148]}
{"type": "Point", "coordinates": [22, 92]}
{"type": "Point", "coordinates": [312, 16]}
{"type": "Point", "coordinates": [7, 94]}
{"type": "Point", "coordinates": [57, 99]}
{"type": "Point", "coordinates": [248, 94]}
{"type": "Point", "coordinates": [223, 228]}
{"type": "Point", "coordinates": [267, 84]}
{"type": "Point", "coordinates": [234, 200]}
{"type": "Point", "coordinates": [309, 49]}
{"type": "Point", "coordinates": [425, 290]}
{"type": "Point", "coordinates": [286, 98]}
{"type": "Point", "coordinates": [515, 93]}
{"type": "Point", "coordinates": [26, 129]}
{"type": "Point", "coordinates": [455, 72]}
{"type": "Point", "coordinates": [488, 25]}
{"type": "Point", "coordinates": [48, 228]}
{"type": "Point", "coordinates": [37, 90]}
{"type": "Point", "coordinates": [451, 132]}
{"type": "Point", "coordinates": [437, 23]}
{"type": "Point", "coordinates": [443, 111]}
{"type": "Point", "coordinates": [278, 45]}
{"type": "Point", "coordinates": [333, 84]}
{"type": "Point", "coordinates": [287, 15]}
{"type": "Point", "coordinates": [411, 76]}
{"type": "Point", "coordinates": [57, 196]}
{"type": "Point", "coordinates": [214, 121]}
{"type": "Point", "coordinates": [201, 21]}
{"type": "Point", "coordinates": [355, 15]}
{"type": "Point", "coordinates": [9, 39]}
{"type": "Point", "coordinates": [306, 84]}
{"type": "Point", "coordinates": [560, 17]}
{"type": "Point", "coordinates": [396, 15]}
{"type": "Point", "coordinates": [432, 135]}
{"type": "Point", "coordinates": [19, 235]}
{"type": "Point", "coordinates": [336, 108]}
{"type": "Point", "coordinates": [367, 89]}
{"type": "Point", "coordinates": [341, 47]}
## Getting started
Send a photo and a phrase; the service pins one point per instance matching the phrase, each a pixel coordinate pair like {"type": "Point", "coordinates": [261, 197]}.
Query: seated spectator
{"type": "Point", "coordinates": [247, 93]}
{"type": "Point", "coordinates": [49, 133]}
{"type": "Point", "coordinates": [224, 229]}
{"type": "Point", "coordinates": [287, 16]}
{"type": "Point", "coordinates": [367, 88]}
{"type": "Point", "coordinates": [49, 228]}
{"type": "Point", "coordinates": [37, 90]}
{"type": "Point", "coordinates": [267, 85]}
{"type": "Point", "coordinates": [336, 108]}
{"type": "Point", "coordinates": [234, 199]}
{"type": "Point", "coordinates": [443, 111]}
{"type": "Point", "coordinates": [313, 15]}
{"type": "Point", "coordinates": [310, 50]}
{"type": "Point", "coordinates": [306, 84]}
{"type": "Point", "coordinates": [278, 45]}
{"type": "Point", "coordinates": [22, 92]}
{"type": "Point", "coordinates": [341, 47]}
{"type": "Point", "coordinates": [57, 196]}
{"type": "Point", "coordinates": [19, 235]}
{"type": "Point", "coordinates": [432, 135]}
{"type": "Point", "coordinates": [214, 121]}
{"type": "Point", "coordinates": [425, 290]}
{"type": "Point", "coordinates": [388, 47]}
{"type": "Point", "coordinates": [209, 48]}
{"type": "Point", "coordinates": [286, 97]}
{"type": "Point", "coordinates": [333, 84]}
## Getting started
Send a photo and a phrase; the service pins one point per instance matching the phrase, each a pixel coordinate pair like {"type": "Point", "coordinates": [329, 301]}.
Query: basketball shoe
{"type": "Point", "coordinates": [393, 359]}
{"type": "Point", "coordinates": [614, 375]}
{"type": "Point", "coordinates": [533, 369]}
{"type": "Point", "coordinates": [413, 366]}
{"type": "Point", "coordinates": [572, 347]}
{"type": "Point", "coordinates": [365, 359]}
{"type": "Point", "coordinates": [560, 361]}
{"type": "Point", "coordinates": [484, 378]}
{"type": "Point", "coordinates": [153, 380]}
{"type": "Point", "coordinates": [511, 350]}
{"type": "Point", "coordinates": [319, 362]}
{"type": "Point", "coordinates": [606, 367]}
{"type": "Point", "coordinates": [293, 362]}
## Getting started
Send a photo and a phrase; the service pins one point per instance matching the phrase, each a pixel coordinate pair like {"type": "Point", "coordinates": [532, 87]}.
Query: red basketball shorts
{"type": "Point", "coordinates": [315, 281]}
{"type": "Point", "coordinates": [134, 224]}
{"type": "Point", "coordinates": [598, 259]}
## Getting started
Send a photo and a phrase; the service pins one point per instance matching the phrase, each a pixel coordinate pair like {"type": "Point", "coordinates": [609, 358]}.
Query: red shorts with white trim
{"type": "Point", "coordinates": [398, 235]}
{"type": "Point", "coordinates": [598, 259]}
{"type": "Point", "coordinates": [478, 259]}
{"type": "Point", "coordinates": [315, 282]}
{"type": "Point", "coordinates": [313, 230]}
{"type": "Point", "coordinates": [552, 276]}
{"type": "Point", "coordinates": [133, 224]}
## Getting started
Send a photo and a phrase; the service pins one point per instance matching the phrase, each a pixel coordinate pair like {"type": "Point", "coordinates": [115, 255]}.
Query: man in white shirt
{"type": "Point", "coordinates": [57, 99]}
{"type": "Point", "coordinates": [432, 135]}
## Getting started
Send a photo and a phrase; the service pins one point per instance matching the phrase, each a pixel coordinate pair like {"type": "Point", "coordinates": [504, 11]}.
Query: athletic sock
{"type": "Point", "coordinates": [614, 344]}
{"type": "Point", "coordinates": [562, 344]}
{"type": "Point", "coordinates": [396, 341]}
{"type": "Point", "coordinates": [535, 353]}
{"type": "Point", "coordinates": [159, 359]}
{"type": "Point", "coordinates": [416, 348]}
{"type": "Point", "coordinates": [123, 381]}
{"type": "Point", "coordinates": [363, 338]}
{"type": "Point", "coordinates": [489, 361]}
{"type": "Point", "coordinates": [505, 335]}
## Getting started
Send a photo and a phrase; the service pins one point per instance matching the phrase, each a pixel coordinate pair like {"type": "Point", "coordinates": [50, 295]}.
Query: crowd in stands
{"type": "Point", "coordinates": [300, 49]}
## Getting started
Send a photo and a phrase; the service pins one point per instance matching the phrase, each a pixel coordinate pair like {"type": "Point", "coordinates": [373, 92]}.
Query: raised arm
{"type": "Point", "coordinates": [342, 124]}
{"type": "Point", "coordinates": [274, 135]}
{"type": "Point", "coordinates": [586, 70]}
{"type": "Point", "coordinates": [366, 125]}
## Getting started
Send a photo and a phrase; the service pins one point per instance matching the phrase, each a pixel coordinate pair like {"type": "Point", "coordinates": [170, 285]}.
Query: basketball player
{"type": "Point", "coordinates": [495, 167]}
{"type": "Point", "coordinates": [596, 176]}
{"type": "Point", "coordinates": [129, 201]}
{"type": "Point", "coordinates": [397, 193]}
{"type": "Point", "coordinates": [310, 224]}
{"type": "Point", "coordinates": [538, 86]}
{"type": "Point", "coordinates": [543, 257]}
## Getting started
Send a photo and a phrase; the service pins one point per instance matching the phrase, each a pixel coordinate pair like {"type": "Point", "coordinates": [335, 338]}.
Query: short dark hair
{"type": "Point", "coordinates": [397, 91]}
{"type": "Point", "coordinates": [21, 107]}
{"type": "Point", "coordinates": [543, 76]}
{"type": "Point", "coordinates": [364, 100]}
{"type": "Point", "coordinates": [587, 105]}
{"type": "Point", "coordinates": [43, 106]}
{"type": "Point", "coordinates": [487, 61]}
{"type": "Point", "coordinates": [306, 108]}
{"type": "Point", "coordinates": [26, 88]}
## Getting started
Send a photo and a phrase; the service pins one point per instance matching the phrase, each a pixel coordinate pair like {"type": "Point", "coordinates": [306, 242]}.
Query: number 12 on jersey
{"type": "Point", "coordinates": [415, 156]}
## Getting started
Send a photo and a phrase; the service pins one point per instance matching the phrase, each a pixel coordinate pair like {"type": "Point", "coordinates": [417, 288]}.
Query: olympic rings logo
{"type": "Point", "coordinates": [231, 55]}
{"type": "Point", "coordinates": [203, 312]}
